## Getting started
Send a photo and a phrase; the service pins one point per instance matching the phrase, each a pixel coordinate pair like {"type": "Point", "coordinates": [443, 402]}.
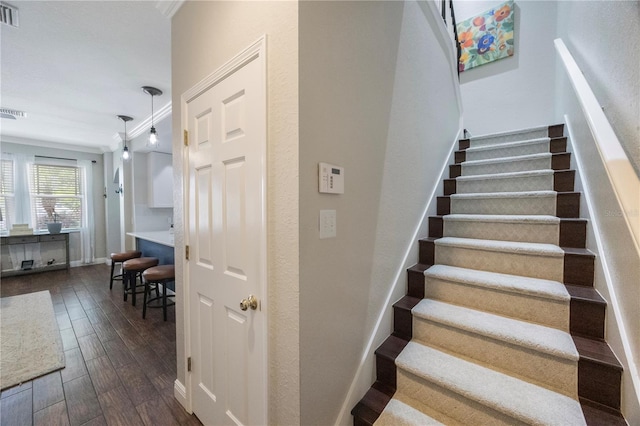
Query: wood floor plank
{"type": "Point", "coordinates": [16, 389]}
{"type": "Point", "coordinates": [103, 375]}
{"type": "Point", "coordinates": [69, 340]}
{"type": "Point", "coordinates": [16, 409]}
{"type": "Point", "coordinates": [74, 365]}
{"type": "Point", "coordinates": [82, 327]}
{"type": "Point", "coordinates": [82, 401]}
{"type": "Point", "coordinates": [105, 331]}
{"type": "Point", "coordinates": [118, 353]}
{"type": "Point", "coordinates": [136, 383]}
{"type": "Point", "coordinates": [76, 312]}
{"type": "Point", "coordinates": [63, 320]}
{"type": "Point", "coordinates": [96, 316]}
{"type": "Point", "coordinates": [98, 421]}
{"type": "Point", "coordinates": [91, 347]}
{"type": "Point", "coordinates": [155, 412]}
{"type": "Point", "coordinates": [53, 415]}
{"type": "Point", "coordinates": [47, 390]}
{"type": "Point", "coordinates": [118, 409]}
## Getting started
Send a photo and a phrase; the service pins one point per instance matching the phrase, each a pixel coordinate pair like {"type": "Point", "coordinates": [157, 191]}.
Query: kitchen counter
{"type": "Point", "coordinates": [159, 237]}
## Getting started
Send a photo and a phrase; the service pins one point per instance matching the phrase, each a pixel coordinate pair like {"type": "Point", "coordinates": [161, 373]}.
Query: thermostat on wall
{"type": "Point", "coordinates": [330, 179]}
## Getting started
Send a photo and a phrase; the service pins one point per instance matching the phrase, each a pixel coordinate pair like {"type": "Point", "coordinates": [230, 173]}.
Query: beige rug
{"type": "Point", "coordinates": [30, 342]}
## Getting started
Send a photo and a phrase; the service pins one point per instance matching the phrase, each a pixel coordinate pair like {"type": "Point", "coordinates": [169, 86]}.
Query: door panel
{"type": "Point", "coordinates": [226, 234]}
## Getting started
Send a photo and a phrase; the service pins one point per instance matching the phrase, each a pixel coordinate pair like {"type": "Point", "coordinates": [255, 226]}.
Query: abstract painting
{"type": "Point", "coordinates": [486, 37]}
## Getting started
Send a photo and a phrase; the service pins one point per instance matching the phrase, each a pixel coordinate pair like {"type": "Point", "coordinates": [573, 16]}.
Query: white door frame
{"type": "Point", "coordinates": [257, 51]}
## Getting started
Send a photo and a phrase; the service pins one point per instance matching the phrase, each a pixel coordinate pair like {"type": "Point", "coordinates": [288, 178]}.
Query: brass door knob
{"type": "Point", "coordinates": [250, 302]}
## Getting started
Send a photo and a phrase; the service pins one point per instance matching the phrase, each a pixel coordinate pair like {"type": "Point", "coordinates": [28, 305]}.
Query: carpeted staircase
{"type": "Point", "coordinates": [501, 323]}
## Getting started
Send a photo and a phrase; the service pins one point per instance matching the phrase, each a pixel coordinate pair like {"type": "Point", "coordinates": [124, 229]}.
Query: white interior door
{"type": "Point", "coordinates": [227, 244]}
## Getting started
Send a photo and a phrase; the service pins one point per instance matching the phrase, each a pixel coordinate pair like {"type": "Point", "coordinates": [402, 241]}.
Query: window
{"type": "Point", "coordinates": [7, 193]}
{"type": "Point", "coordinates": [56, 194]}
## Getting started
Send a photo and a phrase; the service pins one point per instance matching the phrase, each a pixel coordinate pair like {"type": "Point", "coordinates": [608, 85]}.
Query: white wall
{"type": "Point", "coordinates": [98, 190]}
{"type": "Point", "coordinates": [204, 36]}
{"type": "Point", "coordinates": [112, 203]}
{"type": "Point", "coordinates": [603, 38]}
{"type": "Point", "coordinates": [518, 91]}
{"type": "Point", "coordinates": [376, 97]}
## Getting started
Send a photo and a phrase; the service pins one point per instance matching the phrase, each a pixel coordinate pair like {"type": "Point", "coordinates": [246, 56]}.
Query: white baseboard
{"type": "Point", "coordinates": [180, 393]}
{"type": "Point", "coordinates": [97, 261]}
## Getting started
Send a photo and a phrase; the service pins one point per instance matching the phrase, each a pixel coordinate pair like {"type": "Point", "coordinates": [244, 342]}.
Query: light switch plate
{"type": "Point", "coordinates": [327, 224]}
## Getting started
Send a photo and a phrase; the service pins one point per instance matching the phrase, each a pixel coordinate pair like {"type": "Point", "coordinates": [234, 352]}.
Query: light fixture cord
{"type": "Point", "coordinates": [151, 110]}
{"type": "Point", "coordinates": [125, 133]}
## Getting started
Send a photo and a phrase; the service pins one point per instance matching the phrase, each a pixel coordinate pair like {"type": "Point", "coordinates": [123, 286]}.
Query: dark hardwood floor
{"type": "Point", "coordinates": [120, 369]}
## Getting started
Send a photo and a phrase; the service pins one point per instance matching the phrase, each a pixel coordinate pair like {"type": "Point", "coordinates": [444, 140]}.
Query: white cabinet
{"type": "Point", "coordinates": [160, 173]}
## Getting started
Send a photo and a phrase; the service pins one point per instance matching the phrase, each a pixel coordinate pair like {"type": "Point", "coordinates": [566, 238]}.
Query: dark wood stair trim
{"type": "Point", "coordinates": [568, 205]}
{"type": "Point", "coordinates": [436, 226]}
{"type": "Point", "coordinates": [579, 266]}
{"type": "Point", "coordinates": [561, 161]}
{"type": "Point", "coordinates": [556, 130]}
{"type": "Point", "coordinates": [386, 356]}
{"type": "Point", "coordinates": [573, 232]}
{"type": "Point", "coordinates": [563, 180]}
{"type": "Point", "coordinates": [415, 280]}
{"type": "Point", "coordinates": [402, 317]}
{"type": "Point", "coordinates": [600, 415]}
{"type": "Point", "coordinates": [427, 251]}
{"type": "Point", "coordinates": [599, 373]}
{"type": "Point", "coordinates": [587, 312]}
{"type": "Point", "coordinates": [369, 408]}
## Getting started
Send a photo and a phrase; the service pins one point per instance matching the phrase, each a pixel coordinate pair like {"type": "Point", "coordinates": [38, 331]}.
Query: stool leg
{"type": "Point", "coordinates": [125, 283]}
{"type": "Point", "coordinates": [113, 265]}
{"type": "Point", "coordinates": [144, 299]}
{"type": "Point", "coordinates": [164, 300]}
{"type": "Point", "coordinates": [134, 284]}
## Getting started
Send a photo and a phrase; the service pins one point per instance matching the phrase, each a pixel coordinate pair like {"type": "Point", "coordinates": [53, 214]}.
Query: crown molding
{"type": "Point", "coordinates": [145, 125]}
{"type": "Point", "coordinates": [141, 128]}
{"type": "Point", "coordinates": [55, 145]}
{"type": "Point", "coordinates": [169, 7]}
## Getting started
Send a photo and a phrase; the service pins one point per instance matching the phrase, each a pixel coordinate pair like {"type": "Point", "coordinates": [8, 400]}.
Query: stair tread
{"type": "Point", "coordinates": [419, 267]}
{"type": "Point", "coordinates": [502, 145]}
{"type": "Point", "coordinates": [508, 159]}
{"type": "Point", "coordinates": [407, 302]}
{"type": "Point", "coordinates": [596, 350]}
{"type": "Point", "coordinates": [533, 249]}
{"type": "Point", "coordinates": [505, 218]}
{"type": "Point", "coordinates": [489, 387]}
{"type": "Point", "coordinates": [509, 133]}
{"type": "Point", "coordinates": [398, 413]}
{"type": "Point", "coordinates": [371, 405]}
{"type": "Point", "coordinates": [535, 337]}
{"type": "Point", "coordinates": [509, 283]}
{"type": "Point", "coordinates": [510, 194]}
{"type": "Point", "coordinates": [508, 175]}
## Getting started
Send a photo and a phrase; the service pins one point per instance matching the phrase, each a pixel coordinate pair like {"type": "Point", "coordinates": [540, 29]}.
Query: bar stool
{"type": "Point", "coordinates": [133, 268]}
{"type": "Point", "coordinates": [120, 258]}
{"type": "Point", "coordinates": [161, 274]}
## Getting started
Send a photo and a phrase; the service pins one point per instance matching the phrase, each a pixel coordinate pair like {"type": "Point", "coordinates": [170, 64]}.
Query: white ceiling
{"type": "Point", "coordinates": [73, 66]}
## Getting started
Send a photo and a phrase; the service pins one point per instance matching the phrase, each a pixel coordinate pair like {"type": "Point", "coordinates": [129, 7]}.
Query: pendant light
{"type": "Point", "coordinates": [153, 136]}
{"type": "Point", "coordinates": [125, 150]}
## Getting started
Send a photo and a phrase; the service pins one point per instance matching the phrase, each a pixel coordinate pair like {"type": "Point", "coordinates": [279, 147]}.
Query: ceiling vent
{"type": "Point", "coordinates": [9, 15]}
{"type": "Point", "coordinates": [12, 114]}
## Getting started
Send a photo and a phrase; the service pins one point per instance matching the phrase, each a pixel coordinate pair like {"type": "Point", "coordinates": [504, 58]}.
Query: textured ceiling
{"type": "Point", "coordinates": [73, 66]}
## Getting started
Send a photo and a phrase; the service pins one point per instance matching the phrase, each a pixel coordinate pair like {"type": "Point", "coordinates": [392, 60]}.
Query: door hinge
{"type": "Point", "coordinates": [186, 252]}
{"type": "Point", "coordinates": [186, 138]}
{"type": "Point", "coordinates": [189, 364]}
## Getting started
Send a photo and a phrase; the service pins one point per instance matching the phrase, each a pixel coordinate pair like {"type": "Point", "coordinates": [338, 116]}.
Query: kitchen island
{"type": "Point", "coordinates": [155, 244]}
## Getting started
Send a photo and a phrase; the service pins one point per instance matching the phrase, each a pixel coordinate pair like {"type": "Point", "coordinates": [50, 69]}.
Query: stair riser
{"type": "Point", "coordinates": [545, 267]}
{"type": "Point", "coordinates": [545, 205]}
{"type": "Point", "coordinates": [516, 137]}
{"type": "Point", "coordinates": [523, 165]}
{"type": "Point", "coordinates": [578, 269]}
{"type": "Point", "coordinates": [456, 406]}
{"type": "Point", "coordinates": [536, 367]}
{"type": "Point", "coordinates": [547, 312]}
{"type": "Point", "coordinates": [514, 184]}
{"type": "Point", "coordinates": [587, 319]}
{"type": "Point", "coordinates": [512, 151]}
{"type": "Point", "coordinates": [501, 231]}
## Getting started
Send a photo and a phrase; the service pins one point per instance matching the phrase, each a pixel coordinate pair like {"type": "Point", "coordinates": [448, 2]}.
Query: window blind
{"type": "Point", "coordinates": [57, 194]}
